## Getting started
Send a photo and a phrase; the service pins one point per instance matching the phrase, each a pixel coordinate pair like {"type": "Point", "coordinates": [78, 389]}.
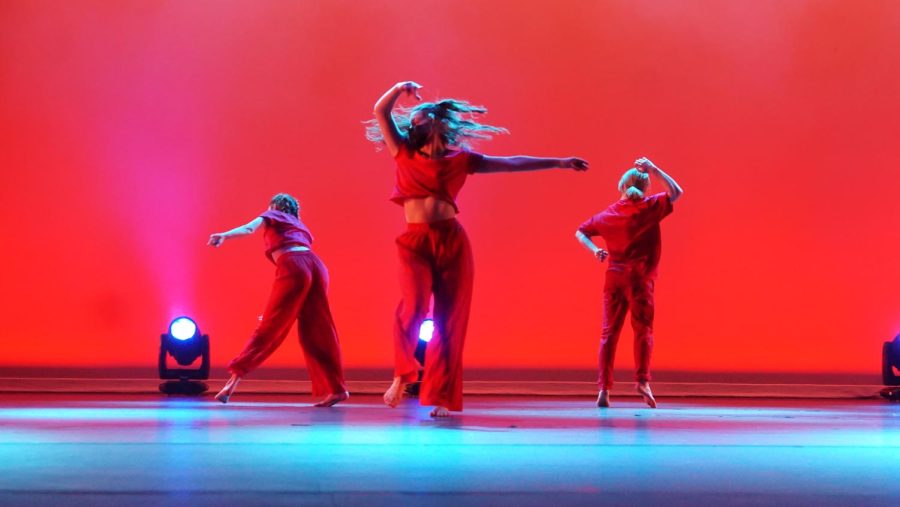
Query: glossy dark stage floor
{"type": "Point", "coordinates": [277, 450]}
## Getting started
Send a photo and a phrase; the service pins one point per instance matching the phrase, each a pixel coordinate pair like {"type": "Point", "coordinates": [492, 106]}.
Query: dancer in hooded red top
{"type": "Point", "coordinates": [299, 293]}
{"type": "Point", "coordinates": [433, 162]}
{"type": "Point", "coordinates": [630, 227]}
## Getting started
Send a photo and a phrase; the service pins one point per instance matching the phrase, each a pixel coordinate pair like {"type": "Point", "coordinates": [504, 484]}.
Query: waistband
{"type": "Point", "coordinates": [448, 223]}
{"type": "Point", "coordinates": [639, 270]}
{"type": "Point", "coordinates": [293, 253]}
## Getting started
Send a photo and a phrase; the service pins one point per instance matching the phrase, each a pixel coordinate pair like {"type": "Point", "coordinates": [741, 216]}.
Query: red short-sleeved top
{"type": "Point", "coordinates": [420, 176]}
{"type": "Point", "coordinates": [283, 230]}
{"type": "Point", "coordinates": [632, 233]}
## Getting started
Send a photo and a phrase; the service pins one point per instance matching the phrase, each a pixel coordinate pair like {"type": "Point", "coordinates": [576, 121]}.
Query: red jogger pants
{"type": "Point", "coordinates": [435, 259]}
{"type": "Point", "coordinates": [626, 290]}
{"type": "Point", "coordinates": [298, 293]}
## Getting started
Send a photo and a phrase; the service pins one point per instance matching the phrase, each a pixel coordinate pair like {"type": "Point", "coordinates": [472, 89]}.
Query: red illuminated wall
{"type": "Point", "coordinates": [132, 130]}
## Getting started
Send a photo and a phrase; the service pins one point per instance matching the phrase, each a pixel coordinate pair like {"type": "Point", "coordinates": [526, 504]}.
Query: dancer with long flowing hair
{"type": "Point", "coordinates": [429, 143]}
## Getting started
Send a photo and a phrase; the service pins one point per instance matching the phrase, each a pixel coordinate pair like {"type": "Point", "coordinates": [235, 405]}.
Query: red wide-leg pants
{"type": "Point", "coordinates": [624, 290]}
{"type": "Point", "coordinates": [435, 259]}
{"type": "Point", "coordinates": [298, 293]}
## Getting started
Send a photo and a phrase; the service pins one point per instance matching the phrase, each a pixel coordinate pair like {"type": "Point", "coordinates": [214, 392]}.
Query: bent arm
{"type": "Point", "coordinates": [242, 230]}
{"type": "Point", "coordinates": [672, 187]}
{"type": "Point", "coordinates": [520, 163]}
{"type": "Point", "coordinates": [589, 244]}
{"type": "Point", "coordinates": [393, 138]}
{"type": "Point", "coordinates": [674, 190]}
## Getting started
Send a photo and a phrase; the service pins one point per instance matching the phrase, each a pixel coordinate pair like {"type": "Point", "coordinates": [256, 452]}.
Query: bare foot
{"type": "Point", "coordinates": [603, 398]}
{"type": "Point", "coordinates": [440, 412]}
{"type": "Point", "coordinates": [333, 399]}
{"type": "Point", "coordinates": [394, 394]}
{"type": "Point", "coordinates": [643, 388]}
{"type": "Point", "coordinates": [229, 388]}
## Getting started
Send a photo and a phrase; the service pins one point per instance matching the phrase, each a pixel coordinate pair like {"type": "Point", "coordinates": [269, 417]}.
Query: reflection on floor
{"type": "Point", "coordinates": [278, 450]}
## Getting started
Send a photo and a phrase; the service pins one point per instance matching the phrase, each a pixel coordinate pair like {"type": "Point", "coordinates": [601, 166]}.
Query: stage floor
{"type": "Point", "coordinates": [522, 451]}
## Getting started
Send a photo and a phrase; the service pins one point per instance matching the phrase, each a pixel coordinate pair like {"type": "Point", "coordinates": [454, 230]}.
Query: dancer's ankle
{"type": "Point", "coordinates": [440, 412]}
{"type": "Point", "coordinates": [603, 398]}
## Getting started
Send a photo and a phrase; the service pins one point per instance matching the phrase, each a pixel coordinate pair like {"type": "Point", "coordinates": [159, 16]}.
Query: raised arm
{"type": "Point", "coordinates": [672, 187]}
{"type": "Point", "coordinates": [598, 252]}
{"type": "Point", "coordinates": [523, 163]}
{"type": "Point", "coordinates": [393, 138]}
{"type": "Point", "coordinates": [243, 230]}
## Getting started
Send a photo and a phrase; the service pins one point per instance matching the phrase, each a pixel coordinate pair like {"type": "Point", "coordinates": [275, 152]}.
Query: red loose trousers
{"type": "Point", "coordinates": [435, 258]}
{"type": "Point", "coordinates": [626, 289]}
{"type": "Point", "coordinates": [298, 293]}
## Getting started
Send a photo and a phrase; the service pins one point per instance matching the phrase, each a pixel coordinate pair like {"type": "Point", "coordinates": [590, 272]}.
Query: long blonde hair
{"type": "Point", "coordinates": [456, 116]}
{"type": "Point", "coordinates": [634, 183]}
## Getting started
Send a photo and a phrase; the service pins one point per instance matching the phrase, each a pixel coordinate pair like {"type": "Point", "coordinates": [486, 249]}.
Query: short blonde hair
{"type": "Point", "coordinates": [634, 183]}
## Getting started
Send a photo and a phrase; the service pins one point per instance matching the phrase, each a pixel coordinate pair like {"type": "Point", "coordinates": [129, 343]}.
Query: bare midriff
{"type": "Point", "coordinates": [291, 248]}
{"type": "Point", "coordinates": [426, 210]}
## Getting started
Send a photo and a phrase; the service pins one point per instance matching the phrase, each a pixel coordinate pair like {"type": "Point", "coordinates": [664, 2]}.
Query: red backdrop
{"type": "Point", "coordinates": [132, 130]}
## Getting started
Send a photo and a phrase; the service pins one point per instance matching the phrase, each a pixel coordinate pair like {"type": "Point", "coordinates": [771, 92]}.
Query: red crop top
{"type": "Point", "coordinates": [420, 176]}
{"type": "Point", "coordinates": [282, 230]}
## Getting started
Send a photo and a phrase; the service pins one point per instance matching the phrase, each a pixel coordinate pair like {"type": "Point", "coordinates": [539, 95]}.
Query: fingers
{"type": "Point", "coordinates": [644, 164]}
{"type": "Point", "coordinates": [412, 88]}
{"type": "Point", "coordinates": [578, 164]}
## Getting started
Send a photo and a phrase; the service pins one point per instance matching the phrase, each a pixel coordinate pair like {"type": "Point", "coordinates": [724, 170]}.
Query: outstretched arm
{"type": "Point", "coordinates": [599, 253]}
{"type": "Point", "coordinates": [672, 187]}
{"type": "Point", "coordinates": [243, 230]}
{"type": "Point", "coordinates": [393, 138]}
{"type": "Point", "coordinates": [522, 163]}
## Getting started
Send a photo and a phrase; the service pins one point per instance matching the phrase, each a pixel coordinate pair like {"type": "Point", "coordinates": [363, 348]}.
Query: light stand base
{"type": "Point", "coordinates": [184, 387]}
{"type": "Point", "coordinates": [412, 388]}
{"type": "Point", "coordinates": [891, 393]}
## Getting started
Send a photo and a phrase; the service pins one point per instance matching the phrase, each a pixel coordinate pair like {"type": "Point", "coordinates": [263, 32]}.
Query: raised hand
{"type": "Point", "coordinates": [575, 163]}
{"type": "Point", "coordinates": [410, 88]}
{"type": "Point", "coordinates": [601, 254]}
{"type": "Point", "coordinates": [644, 164]}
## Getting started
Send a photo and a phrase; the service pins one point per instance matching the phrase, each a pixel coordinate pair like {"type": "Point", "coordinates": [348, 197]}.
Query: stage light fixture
{"type": "Point", "coordinates": [890, 361]}
{"type": "Point", "coordinates": [426, 332]}
{"type": "Point", "coordinates": [184, 343]}
{"type": "Point", "coordinates": [183, 328]}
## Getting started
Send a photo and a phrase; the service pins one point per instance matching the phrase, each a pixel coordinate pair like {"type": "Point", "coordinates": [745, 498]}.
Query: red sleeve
{"type": "Point", "coordinates": [590, 227]}
{"type": "Point", "coordinates": [271, 216]}
{"type": "Point", "coordinates": [661, 204]}
{"type": "Point", "coordinates": [267, 216]}
{"type": "Point", "coordinates": [473, 161]}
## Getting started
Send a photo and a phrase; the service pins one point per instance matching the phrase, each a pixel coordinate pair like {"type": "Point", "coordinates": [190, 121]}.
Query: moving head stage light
{"type": "Point", "coordinates": [890, 361]}
{"type": "Point", "coordinates": [185, 344]}
{"type": "Point", "coordinates": [426, 332]}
